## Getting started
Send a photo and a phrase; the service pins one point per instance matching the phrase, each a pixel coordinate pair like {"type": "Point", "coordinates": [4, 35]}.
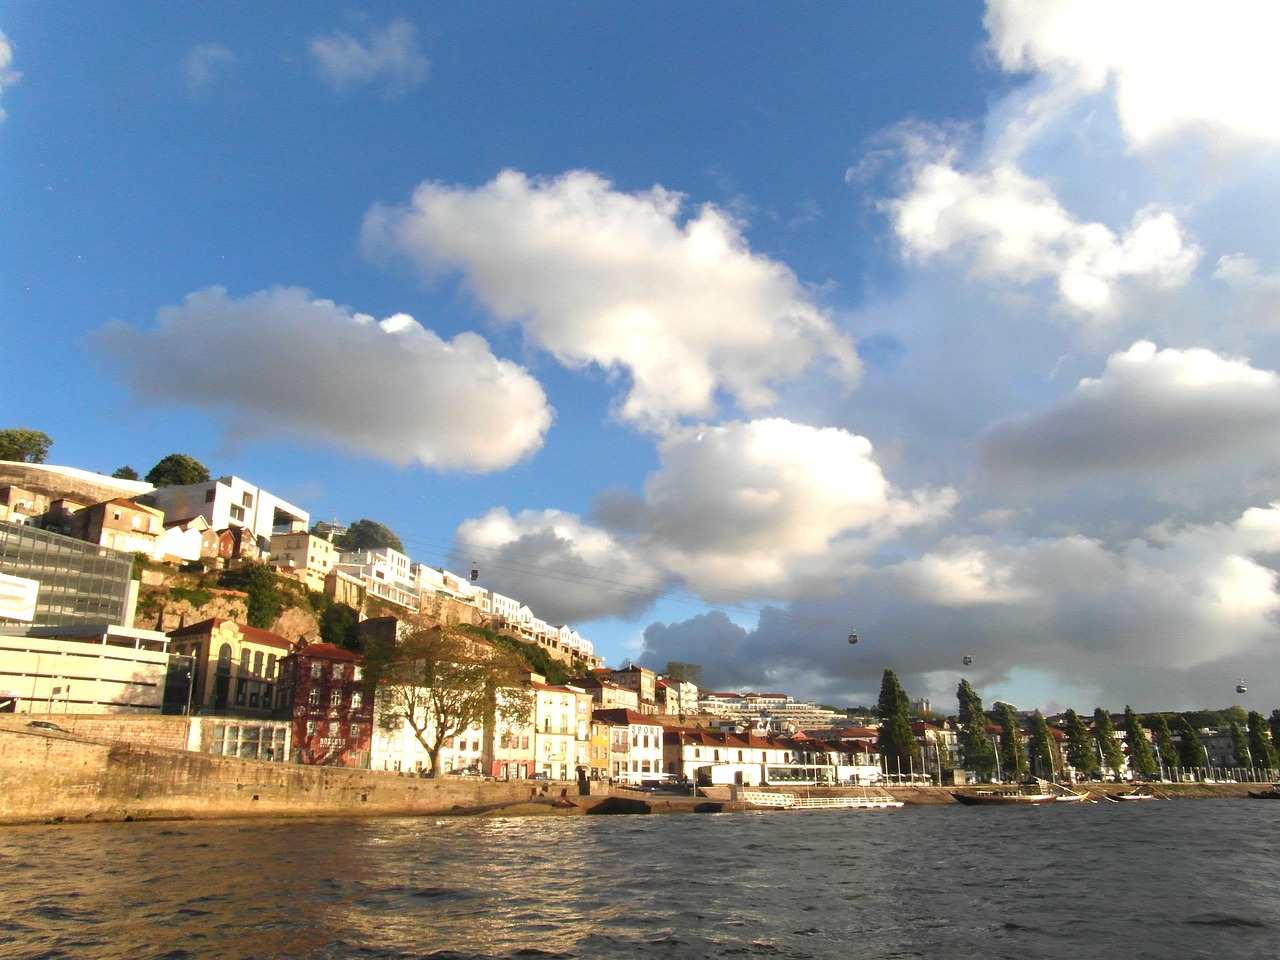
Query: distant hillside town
{"type": "Point", "coordinates": [129, 597]}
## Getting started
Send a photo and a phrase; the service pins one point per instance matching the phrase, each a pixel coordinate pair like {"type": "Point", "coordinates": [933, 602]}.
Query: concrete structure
{"type": "Point", "coordinates": [236, 666]}
{"type": "Point", "coordinates": [321, 686]}
{"type": "Point", "coordinates": [27, 489]}
{"type": "Point", "coordinates": [384, 573]}
{"type": "Point", "coordinates": [231, 503]}
{"type": "Point", "coordinates": [82, 669]}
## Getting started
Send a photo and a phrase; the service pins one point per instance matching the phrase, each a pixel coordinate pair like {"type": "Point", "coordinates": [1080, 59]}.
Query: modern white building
{"type": "Point", "coordinates": [384, 573]}
{"type": "Point", "coordinates": [230, 502]}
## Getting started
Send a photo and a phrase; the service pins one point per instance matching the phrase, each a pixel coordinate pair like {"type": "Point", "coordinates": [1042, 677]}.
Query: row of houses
{"type": "Point", "coordinates": [227, 519]}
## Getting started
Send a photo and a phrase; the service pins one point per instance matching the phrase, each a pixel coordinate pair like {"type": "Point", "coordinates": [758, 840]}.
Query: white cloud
{"type": "Point", "coordinates": [1150, 410]}
{"type": "Point", "coordinates": [8, 75]}
{"type": "Point", "coordinates": [207, 62]}
{"type": "Point", "coordinates": [1012, 227]}
{"type": "Point", "coordinates": [1173, 66]}
{"type": "Point", "coordinates": [283, 364]}
{"type": "Point", "coordinates": [738, 512]}
{"type": "Point", "coordinates": [390, 56]}
{"type": "Point", "coordinates": [601, 277]}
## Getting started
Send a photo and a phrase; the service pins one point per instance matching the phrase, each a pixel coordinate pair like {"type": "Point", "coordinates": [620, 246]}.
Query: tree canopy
{"type": "Point", "coordinates": [1108, 743]}
{"type": "Point", "coordinates": [367, 535]}
{"type": "Point", "coordinates": [1166, 747]}
{"type": "Point", "coordinates": [125, 473]}
{"type": "Point", "coordinates": [896, 743]}
{"type": "Point", "coordinates": [177, 470]}
{"type": "Point", "coordinates": [975, 746]}
{"type": "Point", "coordinates": [441, 681]}
{"type": "Point", "coordinates": [1041, 748]}
{"type": "Point", "coordinates": [1261, 745]}
{"type": "Point", "coordinates": [1080, 747]}
{"type": "Point", "coordinates": [1190, 750]}
{"type": "Point", "coordinates": [1141, 759]}
{"type": "Point", "coordinates": [1013, 756]}
{"type": "Point", "coordinates": [24, 445]}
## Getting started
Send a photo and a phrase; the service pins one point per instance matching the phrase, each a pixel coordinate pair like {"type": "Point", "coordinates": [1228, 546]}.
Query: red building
{"type": "Point", "coordinates": [322, 687]}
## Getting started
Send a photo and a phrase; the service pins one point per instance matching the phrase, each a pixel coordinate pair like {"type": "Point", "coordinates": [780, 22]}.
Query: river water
{"type": "Point", "coordinates": [1170, 879]}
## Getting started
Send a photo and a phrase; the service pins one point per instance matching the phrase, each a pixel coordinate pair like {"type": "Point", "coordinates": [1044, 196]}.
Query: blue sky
{"type": "Point", "coordinates": [712, 329]}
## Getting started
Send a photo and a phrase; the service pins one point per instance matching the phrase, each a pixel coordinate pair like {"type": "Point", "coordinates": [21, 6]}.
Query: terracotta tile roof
{"type": "Point", "coordinates": [327, 651]}
{"type": "Point", "coordinates": [252, 634]}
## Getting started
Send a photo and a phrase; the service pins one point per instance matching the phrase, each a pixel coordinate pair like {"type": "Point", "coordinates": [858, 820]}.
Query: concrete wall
{"type": "Point", "coordinates": [48, 776]}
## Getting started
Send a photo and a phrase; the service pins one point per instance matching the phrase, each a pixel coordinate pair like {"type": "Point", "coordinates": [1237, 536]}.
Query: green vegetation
{"type": "Point", "coordinates": [196, 596]}
{"type": "Point", "coordinates": [178, 469]}
{"type": "Point", "coordinates": [1141, 759]}
{"type": "Point", "coordinates": [1261, 745]}
{"type": "Point", "coordinates": [367, 535]}
{"type": "Point", "coordinates": [265, 598]}
{"type": "Point", "coordinates": [975, 746]}
{"type": "Point", "coordinates": [125, 473]}
{"type": "Point", "coordinates": [1112, 752]}
{"type": "Point", "coordinates": [24, 445]}
{"type": "Point", "coordinates": [1013, 757]}
{"type": "Point", "coordinates": [1164, 742]}
{"type": "Point", "coordinates": [1080, 747]}
{"type": "Point", "coordinates": [898, 747]}
{"type": "Point", "coordinates": [1041, 748]}
{"type": "Point", "coordinates": [1190, 750]}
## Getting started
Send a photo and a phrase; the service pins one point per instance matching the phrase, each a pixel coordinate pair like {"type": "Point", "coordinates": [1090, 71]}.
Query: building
{"type": "Point", "coordinates": [636, 745]}
{"type": "Point", "coordinates": [640, 679]}
{"type": "Point", "coordinates": [384, 574]}
{"type": "Point", "coordinates": [86, 668]}
{"type": "Point", "coordinates": [561, 729]}
{"type": "Point", "coordinates": [119, 524]}
{"type": "Point", "coordinates": [236, 666]}
{"type": "Point", "coordinates": [79, 582]}
{"type": "Point", "coordinates": [28, 489]}
{"type": "Point", "coordinates": [230, 503]}
{"type": "Point", "coordinates": [323, 687]}
{"type": "Point", "coordinates": [303, 556]}
{"type": "Point", "coordinates": [606, 693]}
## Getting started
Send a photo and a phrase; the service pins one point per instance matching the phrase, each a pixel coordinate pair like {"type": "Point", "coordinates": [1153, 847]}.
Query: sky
{"type": "Point", "coordinates": [716, 331]}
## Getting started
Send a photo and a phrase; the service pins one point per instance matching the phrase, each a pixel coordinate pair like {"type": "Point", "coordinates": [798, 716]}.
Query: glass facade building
{"type": "Point", "coordinates": [79, 582]}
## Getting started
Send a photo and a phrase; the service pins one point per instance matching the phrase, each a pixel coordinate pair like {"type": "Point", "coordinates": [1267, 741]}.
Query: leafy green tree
{"type": "Point", "coordinates": [1013, 756]}
{"type": "Point", "coordinates": [338, 625]}
{"type": "Point", "coordinates": [895, 741]}
{"type": "Point", "coordinates": [1112, 752]}
{"type": "Point", "coordinates": [1041, 748]}
{"type": "Point", "coordinates": [1190, 750]}
{"type": "Point", "coordinates": [1080, 753]}
{"type": "Point", "coordinates": [1141, 759]}
{"type": "Point", "coordinates": [1261, 745]}
{"type": "Point", "coordinates": [178, 470]}
{"type": "Point", "coordinates": [367, 535]}
{"type": "Point", "coordinates": [24, 445]}
{"type": "Point", "coordinates": [1164, 742]}
{"type": "Point", "coordinates": [265, 600]}
{"type": "Point", "coordinates": [976, 750]}
{"type": "Point", "coordinates": [125, 473]}
{"type": "Point", "coordinates": [1274, 723]}
{"type": "Point", "coordinates": [441, 681]}
{"type": "Point", "coordinates": [684, 671]}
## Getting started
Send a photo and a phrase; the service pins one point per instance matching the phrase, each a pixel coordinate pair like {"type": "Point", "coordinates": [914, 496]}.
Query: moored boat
{"type": "Point", "coordinates": [979, 798]}
{"type": "Point", "coordinates": [1134, 794]}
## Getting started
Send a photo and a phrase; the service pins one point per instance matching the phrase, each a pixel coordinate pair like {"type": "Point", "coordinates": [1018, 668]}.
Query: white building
{"type": "Point", "coordinates": [230, 502]}
{"type": "Point", "coordinates": [304, 556]}
{"type": "Point", "coordinates": [384, 573]}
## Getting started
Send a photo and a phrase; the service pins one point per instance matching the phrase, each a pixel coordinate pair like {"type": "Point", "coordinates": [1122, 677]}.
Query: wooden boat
{"type": "Point", "coordinates": [762, 800]}
{"type": "Point", "coordinates": [1265, 794]}
{"type": "Point", "coordinates": [981, 798]}
{"type": "Point", "coordinates": [1131, 795]}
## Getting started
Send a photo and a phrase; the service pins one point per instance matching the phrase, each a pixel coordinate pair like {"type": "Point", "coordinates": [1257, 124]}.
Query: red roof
{"type": "Point", "coordinates": [327, 651]}
{"type": "Point", "coordinates": [252, 634]}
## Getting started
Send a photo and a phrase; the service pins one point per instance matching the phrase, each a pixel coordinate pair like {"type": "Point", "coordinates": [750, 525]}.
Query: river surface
{"type": "Point", "coordinates": [1168, 879]}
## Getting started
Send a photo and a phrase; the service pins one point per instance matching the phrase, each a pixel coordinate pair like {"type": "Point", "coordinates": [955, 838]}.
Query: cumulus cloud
{"type": "Point", "coordinates": [8, 75]}
{"type": "Point", "coordinates": [1165, 409]}
{"type": "Point", "coordinates": [738, 512]}
{"type": "Point", "coordinates": [1010, 226]}
{"type": "Point", "coordinates": [206, 63]}
{"type": "Point", "coordinates": [389, 56]}
{"type": "Point", "coordinates": [597, 276]}
{"type": "Point", "coordinates": [283, 364]}
{"type": "Point", "coordinates": [1173, 68]}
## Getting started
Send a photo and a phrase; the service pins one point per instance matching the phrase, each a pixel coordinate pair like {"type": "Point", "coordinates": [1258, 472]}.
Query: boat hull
{"type": "Point", "coordinates": [1004, 799]}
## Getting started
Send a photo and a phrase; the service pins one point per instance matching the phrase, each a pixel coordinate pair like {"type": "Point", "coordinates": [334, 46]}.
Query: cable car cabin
{"type": "Point", "coordinates": [968, 661]}
{"type": "Point", "coordinates": [1241, 688]}
{"type": "Point", "coordinates": [853, 637]}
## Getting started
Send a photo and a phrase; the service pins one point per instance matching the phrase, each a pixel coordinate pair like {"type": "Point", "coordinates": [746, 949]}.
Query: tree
{"type": "Point", "coordinates": [684, 672]}
{"type": "Point", "coordinates": [367, 535]}
{"type": "Point", "coordinates": [976, 750]}
{"type": "Point", "coordinates": [1079, 747]}
{"type": "Point", "coordinates": [125, 473]}
{"type": "Point", "coordinates": [1261, 745]}
{"type": "Point", "coordinates": [895, 741]}
{"type": "Point", "coordinates": [264, 601]}
{"type": "Point", "coordinates": [1013, 756]}
{"type": "Point", "coordinates": [24, 445]}
{"type": "Point", "coordinates": [1108, 744]}
{"type": "Point", "coordinates": [1164, 742]}
{"type": "Point", "coordinates": [1274, 723]}
{"type": "Point", "coordinates": [442, 681]}
{"type": "Point", "coordinates": [1041, 748]}
{"type": "Point", "coordinates": [1190, 751]}
{"type": "Point", "coordinates": [1141, 759]}
{"type": "Point", "coordinates": [338, 625]}
{"type": "Point", "coordinates": [178, 470]}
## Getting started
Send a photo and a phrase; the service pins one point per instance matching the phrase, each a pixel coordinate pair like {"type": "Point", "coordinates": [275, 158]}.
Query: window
{"type": "Point", "coordinates": [257, 663]}
{"type": "Point", "coordinates": [337, 671]}
{"type": "Point", "coordinates": [244, 661]}
{"type": "Point", "coordinates": [311, 728]}
{"type": "Point", "coordinates": [241, 685]}
{"type": "Point", "coordinates": [237, 513]}
{"type": "Point", "coordinates": [355, 731]}
{"type": "Point", "coordinates": [209, 495]}
{"type": "Point", "coordinates": [271, 666]}
{"type": "Point", "coordinates": [355, 701]}
{"type": "Point", "coordinates": [335, 698]}
{"type": "Point", "coordinates": [247, 500]}
{"type": "Point", "coordinates": [313, 698]}
{"type": "Point", "coordinates": [335, 728]}
{"type": "Point", "coordinates": [315, 668]}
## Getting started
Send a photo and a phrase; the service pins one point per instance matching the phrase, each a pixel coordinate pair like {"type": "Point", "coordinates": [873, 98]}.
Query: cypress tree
{"type": "Point", "coordinates": [1079, 747]}
{"type": "Point", "coordinates": [1013, 756]}
{"type": "Point", "coordinates": [1240, 746]}
{"type": "Point", "coordinates": [1112, 753]}
{"type": "Point", "coordinates": [1041, 748]}
{"type": "Point", "coordinates": [1141, 759]}
{"type": "Point", "coordinates": [1261, 744]}
{"type": "Point", "coordinates": [897, 745]}
{"type": "Point", "coordinates": [1274, 723]}
{"type": "Point", "coordinates": [1164, 741]}
{"type": "Point", "coordinates": [1190, 751]}
{"type": "Point", "coordinates": [975, 746]}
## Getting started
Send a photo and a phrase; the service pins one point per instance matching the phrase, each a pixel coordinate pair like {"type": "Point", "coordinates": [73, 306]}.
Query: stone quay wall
{"type": "Point", "coordinates": [47, 776]}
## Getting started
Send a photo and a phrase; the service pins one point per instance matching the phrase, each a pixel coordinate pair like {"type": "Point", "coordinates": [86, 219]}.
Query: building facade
{"type": "Point", "coordinates": [236, 667]}
{"type": "Point", "coordinates": [322, 686]}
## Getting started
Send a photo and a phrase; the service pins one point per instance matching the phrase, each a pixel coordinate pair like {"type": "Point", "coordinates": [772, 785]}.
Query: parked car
{"type": "Point", "coordinates": [540, 776]}
{"type": "Point", "coordinates": [466, 772]}
{"type": "Point", "coordinates": [45, 725]}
